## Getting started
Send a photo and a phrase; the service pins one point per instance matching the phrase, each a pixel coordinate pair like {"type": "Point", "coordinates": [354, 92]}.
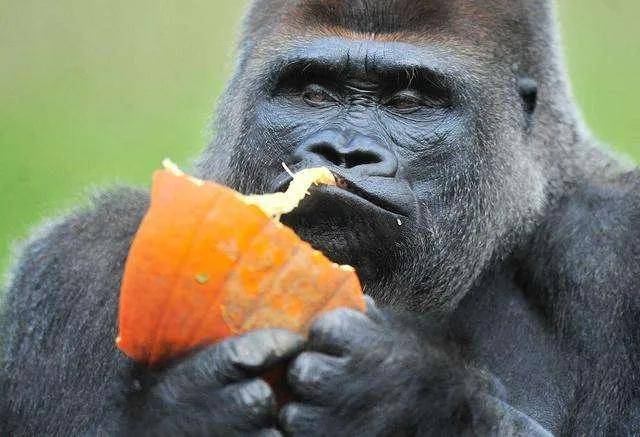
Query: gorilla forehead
{"type": "Point", "coordinates": [515, 31]}
{"type": "Point", "coordinates": [385, 17]}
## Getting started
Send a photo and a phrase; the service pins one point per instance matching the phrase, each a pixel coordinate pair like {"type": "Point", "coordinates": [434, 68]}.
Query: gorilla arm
{"type": "Point", "coordinates": [584, 268]}
{"type": "Point", "coordinates": [391, 373]}
{"type": "Point", "coordinates": [61, 372]}
{"type": "Point", "coordinates": [59, 319]}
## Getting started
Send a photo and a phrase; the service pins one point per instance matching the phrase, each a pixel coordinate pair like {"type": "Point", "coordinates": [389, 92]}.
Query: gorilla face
{"type": "Point", "coordinates": [374, 123]}
{"type": "Point", "coordinates": [430, 171]}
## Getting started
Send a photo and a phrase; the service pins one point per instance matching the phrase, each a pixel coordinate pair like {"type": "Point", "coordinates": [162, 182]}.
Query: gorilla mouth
{"type": "Point", "coordinates": [374, 196]}
{"type": "Point", "coordinates": [376, 200]}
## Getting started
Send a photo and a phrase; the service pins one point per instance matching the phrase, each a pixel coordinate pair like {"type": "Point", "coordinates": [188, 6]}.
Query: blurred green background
{"type": "Point", "coordinates": [93, 92]}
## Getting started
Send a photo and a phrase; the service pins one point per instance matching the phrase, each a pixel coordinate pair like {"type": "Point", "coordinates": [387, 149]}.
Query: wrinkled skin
{"type": "Point", "coordinates": [499, 243]}
{"type": "Point", "coordinates": [223, 379]}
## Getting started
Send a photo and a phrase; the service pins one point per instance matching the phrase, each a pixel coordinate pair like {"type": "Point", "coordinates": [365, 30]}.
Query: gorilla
{"type": "Point", "coordinates": [498, 242]}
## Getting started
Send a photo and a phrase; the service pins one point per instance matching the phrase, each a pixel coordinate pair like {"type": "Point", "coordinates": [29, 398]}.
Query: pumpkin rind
{"type": "Point", "coordinates": [205, 265]}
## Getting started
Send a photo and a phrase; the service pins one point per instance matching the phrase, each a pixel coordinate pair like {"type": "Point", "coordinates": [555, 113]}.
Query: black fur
{"type": "Point", "coordinates": [501, 242]}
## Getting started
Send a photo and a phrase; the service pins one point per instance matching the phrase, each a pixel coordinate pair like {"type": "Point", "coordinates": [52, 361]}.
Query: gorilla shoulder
{"type": "Point", "coordinates": [601, 219]}
{"type": "Point", "coordinates": [91, 232]}
{"type": "Point", "coordinates": [62, 303]}
{"type": "Point", "coordinates": [585, 259]}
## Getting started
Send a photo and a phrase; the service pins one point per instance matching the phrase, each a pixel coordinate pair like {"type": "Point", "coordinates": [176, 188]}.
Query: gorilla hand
{"type": "Point", "coordinates": [217, 391]}
{"type": "Point", "coordinates": [370, 375]}
{"type": "Point", "coordinates": [359, 376]}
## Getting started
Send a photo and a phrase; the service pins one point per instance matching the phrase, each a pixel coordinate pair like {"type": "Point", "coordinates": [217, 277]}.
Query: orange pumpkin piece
{"type": "Point", "coordinates": [208, 262]}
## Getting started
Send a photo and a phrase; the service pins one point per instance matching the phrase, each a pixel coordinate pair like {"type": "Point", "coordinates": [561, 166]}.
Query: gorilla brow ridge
{"type": "Point", "coordinates": [335, 67]}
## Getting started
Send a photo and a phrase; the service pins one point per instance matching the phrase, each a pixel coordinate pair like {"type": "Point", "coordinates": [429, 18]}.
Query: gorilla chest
{"type": "Point", "coordinates": [502, 333]}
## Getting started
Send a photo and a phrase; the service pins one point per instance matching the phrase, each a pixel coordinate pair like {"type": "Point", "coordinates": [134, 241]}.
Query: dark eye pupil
{"type": "Point", "coordinates": [402, 103]}
{"type": "Point", "coordinates": [314, 95]}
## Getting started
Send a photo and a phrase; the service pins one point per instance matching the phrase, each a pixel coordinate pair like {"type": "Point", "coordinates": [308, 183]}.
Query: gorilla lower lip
{"type": "Point", "coordinates": [345, 185]}
{"type": "Point", "coordinates": [377, 201]}
{"type": "Point", "coordinates": [351, 196]}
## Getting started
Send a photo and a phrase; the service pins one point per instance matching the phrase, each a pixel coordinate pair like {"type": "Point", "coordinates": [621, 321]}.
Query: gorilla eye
{"type": "Point", "coordinates": [405, 102]}
{"type": "Point", "coordinates": [315, 95]}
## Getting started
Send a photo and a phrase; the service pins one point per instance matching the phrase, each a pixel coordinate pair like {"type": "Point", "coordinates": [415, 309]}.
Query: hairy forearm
{"type": "Point", "coordinates": [60, 366]}
{"type": "Point", "coordinates": [469, 401]}
{"type": "Point", "coordinates": [490, 416]}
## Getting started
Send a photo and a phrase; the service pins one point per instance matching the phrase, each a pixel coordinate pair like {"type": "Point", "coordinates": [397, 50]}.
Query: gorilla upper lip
{"type": "Point", "coordinates": [375, 197]}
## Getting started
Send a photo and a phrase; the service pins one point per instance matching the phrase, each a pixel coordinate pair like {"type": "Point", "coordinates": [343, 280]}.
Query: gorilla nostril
{"type": "Point", "coordinates": [349, 159]}
{"type": "Point", "coordinates": [328, 152]}
{"type": "Point", "coordinates": [360, 157]}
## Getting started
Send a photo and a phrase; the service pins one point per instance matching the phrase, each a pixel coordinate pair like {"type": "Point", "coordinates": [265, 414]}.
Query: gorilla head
{"type": "Point", "coordinates": [444, 120]}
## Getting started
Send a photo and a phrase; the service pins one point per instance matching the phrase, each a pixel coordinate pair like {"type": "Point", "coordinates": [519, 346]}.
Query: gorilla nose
{"type": "Point", "coordinates": [360, 154]}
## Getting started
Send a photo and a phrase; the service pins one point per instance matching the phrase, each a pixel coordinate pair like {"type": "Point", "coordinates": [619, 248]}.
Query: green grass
{"type": "Point", "coordinates": [97, 92]}
{"type": "Point", "coordinates": [602, 42]}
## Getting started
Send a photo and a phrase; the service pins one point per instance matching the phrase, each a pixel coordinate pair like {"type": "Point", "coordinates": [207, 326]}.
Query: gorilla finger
{"type": "Point", "coordinates": [300, 419]}
{"type": "Point", "coordinates": [338, 331]}
{"type": "Point", "coordinates": [315, 377]}
{"type": "Point", "coordinates": [257, 351]}
{"type": "Point", "coordinates": [245, 408]}
{"type": "Point", "coordinates": [234, 359]}
{"type": "Point", "coordinates": [253, 353]}
{"type": "Point", "coordinates": [252, 402]}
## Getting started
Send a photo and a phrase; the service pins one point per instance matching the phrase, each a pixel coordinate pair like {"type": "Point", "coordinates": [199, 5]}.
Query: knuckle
{"type": "Point", "coordinates": [284, 342]}
{"type": "Point", "coordinates": [204, 363]}
{"type": "Point", "coordinates": [342, 323]}
{"type": "Point", "coordinates": [288, 416]}
{"type": "Point", "coordinates": [227, 350]}
{"type": "Point", "coordinates": [319, 377]}
{"type": "Point", "coordinates": [239, 353]}
{"type": "Point", "coordinates": [301, 368]}
{"type": "Point", "coordinates": [257, 395]}
{"type": "Point", "coordinates": [273, 341]}
{"type": "Point", "coordinates": [330, 321]}
{"type": "Point", "coordinates": [302, 419]}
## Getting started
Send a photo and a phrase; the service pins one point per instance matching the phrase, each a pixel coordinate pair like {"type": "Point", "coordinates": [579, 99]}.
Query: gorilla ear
{"type": "Point", "coordinates": [528, 89]}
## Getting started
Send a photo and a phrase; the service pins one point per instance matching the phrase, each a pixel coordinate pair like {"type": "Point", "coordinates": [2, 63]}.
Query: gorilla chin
{"type": "Point", "coordinates": [352, 229]}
